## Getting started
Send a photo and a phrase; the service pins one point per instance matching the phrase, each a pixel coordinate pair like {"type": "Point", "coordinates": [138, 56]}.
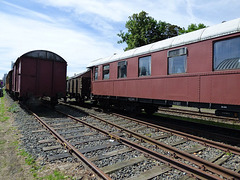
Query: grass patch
{"type": "Point", "coordinates": [3, 118]}
{"type": "Point", "coordinates": [56, 176]}
{"type": "Point", "coordinates": [213, 123]}
{"type": "Point", "coordinates": [15, 143]}
{"type": "Point", "coordinates": [2, 142]}
{"type": "Point", "coordinates": [228, 154]}
{"type": "Point", "coordinates": [29, 160]}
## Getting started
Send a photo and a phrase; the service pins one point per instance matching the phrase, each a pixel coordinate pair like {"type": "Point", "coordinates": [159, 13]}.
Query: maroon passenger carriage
{"type": "Point", "coordinates": [198, 69]}
{"type": "Point", "coordinates": [39, 73]}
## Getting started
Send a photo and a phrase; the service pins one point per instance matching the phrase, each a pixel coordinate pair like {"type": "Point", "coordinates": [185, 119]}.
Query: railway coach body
{"type": "Point", "coordinates": [8, 86]}
{"type": "Point", "coordinates": [197, 69]}
{"type": "Point", "coordinates": [39, 73]}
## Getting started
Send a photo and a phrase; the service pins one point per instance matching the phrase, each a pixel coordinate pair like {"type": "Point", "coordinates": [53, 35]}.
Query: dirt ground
{"type": "Point", "coordinates": [12, 165]}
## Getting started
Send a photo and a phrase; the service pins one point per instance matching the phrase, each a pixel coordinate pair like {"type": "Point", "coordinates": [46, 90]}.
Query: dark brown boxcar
{"type": "Point", "coordinates": [9, 81]}
{"type": "Point", "coordinates": [39, 73]}
{"type": "Point", "coordinates": [78, 86]}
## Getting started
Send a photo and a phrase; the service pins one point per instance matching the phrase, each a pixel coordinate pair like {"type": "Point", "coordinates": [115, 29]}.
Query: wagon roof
{"type": "Point", "coordinates": [43, 54]}
{"type": "Point", "coordinates": [218, 30]}
{"type": "Point", "coordinates": [78, 75]}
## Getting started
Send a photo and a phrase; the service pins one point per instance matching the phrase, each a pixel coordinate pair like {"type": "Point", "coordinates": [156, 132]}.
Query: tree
{"type": "Point", "coordinates": [143, 29]}
{"type": "Point", "coordinates": [192, 27]}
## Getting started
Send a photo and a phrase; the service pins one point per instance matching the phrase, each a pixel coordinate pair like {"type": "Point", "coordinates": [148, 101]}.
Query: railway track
{"type": "Point", "coordinates": [132, 157]}
{"type": "Point", "coordinates": [131, 127]}
{"type": "Point", "coordinates": [199, 115]}
{"type": "Point", "coordinates": [117, 147]}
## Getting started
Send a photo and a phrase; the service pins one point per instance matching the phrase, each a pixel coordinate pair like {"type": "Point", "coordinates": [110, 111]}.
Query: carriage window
{"type": "Point", "coordinates": [177, 64]}
{"type": "Point", "coordinates": [177, 61]}
{"type": "Point", "coordinates": [96, 74]}
{"type": "Point", "coordinates": [106, 72]}
{"type": "Point", "coordinates": [122, 69]}
{"type": "Point", "coordinates": [144, 66]}
{"type": "Point", "coordinates": [227, 54]}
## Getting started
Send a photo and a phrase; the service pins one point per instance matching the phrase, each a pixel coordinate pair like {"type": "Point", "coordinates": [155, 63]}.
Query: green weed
{"type": "Point", "coordinates": [3, 118]}
{"type": "Point", "coordinates": [55, 176]}
{"type": "Point", "coordinates": [15, 143]}
{"type": "Point", "coordinates": [28, 158]}
{"type": "Point", "coordinates": [35, 168]}
{"type": "Point", "coordinates": [2, 142]}
{"type": "Point", "coordinates": [13, 108]}
{"type": "Point", "coordinates": [148, 134]}
{"type": "Point", "coordinates": [228, 153]}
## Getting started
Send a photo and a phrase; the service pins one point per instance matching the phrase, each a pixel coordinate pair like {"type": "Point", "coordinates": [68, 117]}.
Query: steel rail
{"type": "Point", "coordinates": [177, 153]}
{"type": "Point", "coordinates": [224, 147]}
{"type": "Point", "coordinates": [199, 173]}
{"type": "Point", "coordinates": [205, 165]}
{"type": "Point", "coordinates": [191, 112]}
{"type": "Point", "coordinates": [71, 148]}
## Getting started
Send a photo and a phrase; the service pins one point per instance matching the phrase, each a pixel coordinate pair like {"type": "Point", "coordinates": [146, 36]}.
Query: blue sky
{"type": "Point", "coordinates": [85, 30]}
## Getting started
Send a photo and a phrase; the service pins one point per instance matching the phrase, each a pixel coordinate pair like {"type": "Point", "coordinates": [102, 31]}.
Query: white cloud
{"type": "Point", "coordinates": [112, 10]}
{"type": "Point", "coordinates": [81, 30]}
{"type": "Point", "coordinates": [108, 12]}
{"type": "Point", "coordinates": [100, 14]}
{"type": "Point", "coordinates": [190, 10]}
{"type": "Point", "coordinates": [20, 35]}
